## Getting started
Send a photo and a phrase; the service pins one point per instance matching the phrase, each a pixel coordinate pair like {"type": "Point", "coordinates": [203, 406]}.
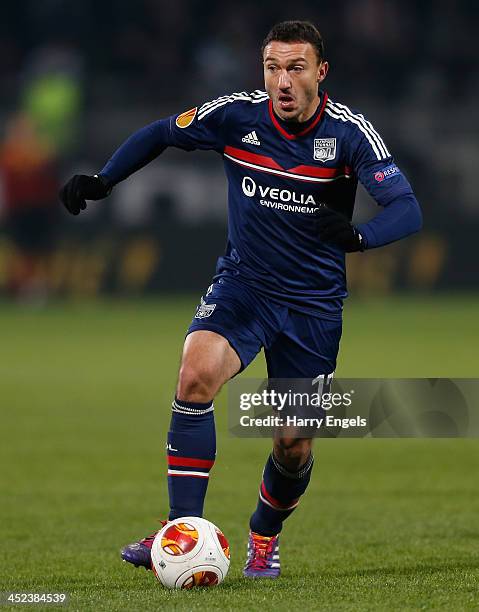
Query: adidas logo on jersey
{"type": "Point", "coordinates": [251, 138]}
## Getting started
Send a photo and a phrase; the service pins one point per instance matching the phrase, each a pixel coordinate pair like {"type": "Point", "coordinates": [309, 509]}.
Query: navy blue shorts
{"type": "Point", "coordinates": [296, 345]}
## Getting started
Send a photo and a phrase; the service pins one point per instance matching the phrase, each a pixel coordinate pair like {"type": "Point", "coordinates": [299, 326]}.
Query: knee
{"type": "Point", "coordinates": [292, 453]}
{"type": "Point", "coordinates": [196, 383]}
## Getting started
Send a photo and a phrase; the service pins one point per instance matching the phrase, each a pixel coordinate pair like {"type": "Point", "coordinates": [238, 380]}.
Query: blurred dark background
{"type": "Point", "coordinates": [76, 78]}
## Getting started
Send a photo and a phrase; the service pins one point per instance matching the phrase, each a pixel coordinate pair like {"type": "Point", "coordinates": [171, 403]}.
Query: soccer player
{"type": "Point", "coordinates": [293, 158]}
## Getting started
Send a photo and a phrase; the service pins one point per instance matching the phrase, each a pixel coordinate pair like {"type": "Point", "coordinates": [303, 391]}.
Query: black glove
{"type": "Point", "coordinates": [82, 187]}
{"type": "Point", "coordinates": [337, 229]}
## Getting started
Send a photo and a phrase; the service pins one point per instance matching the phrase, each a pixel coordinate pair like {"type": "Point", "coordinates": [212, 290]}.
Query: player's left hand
{"type": "Point", "coordinates": [337, 229]}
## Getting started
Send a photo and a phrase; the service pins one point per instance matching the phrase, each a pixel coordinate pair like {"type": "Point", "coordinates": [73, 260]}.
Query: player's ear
{"type": "Point", "coordinates": [322, 70]}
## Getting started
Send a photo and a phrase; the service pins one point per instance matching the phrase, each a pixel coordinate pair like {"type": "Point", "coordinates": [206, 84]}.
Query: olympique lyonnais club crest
{"type": "Point", "coordinates": [204, 311]}
{"type": "Point", "coordinates": [324, 149]}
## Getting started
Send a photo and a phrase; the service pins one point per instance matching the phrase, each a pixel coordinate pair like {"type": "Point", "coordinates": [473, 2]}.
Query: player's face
{"type": "Point", "coordinates": [292, 73]}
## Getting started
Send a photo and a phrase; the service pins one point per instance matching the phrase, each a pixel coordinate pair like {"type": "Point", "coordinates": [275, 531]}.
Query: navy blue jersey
{"type": "Point", "coordinates": [277, 180]}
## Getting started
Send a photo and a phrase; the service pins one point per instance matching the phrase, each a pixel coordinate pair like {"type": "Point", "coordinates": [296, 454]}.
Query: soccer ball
{"type": "Point", "coordinates": [188, 552]}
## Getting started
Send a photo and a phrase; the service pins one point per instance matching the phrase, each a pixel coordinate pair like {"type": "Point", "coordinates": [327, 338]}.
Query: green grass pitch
{"type": "Point", "coordinates": [85, 392]}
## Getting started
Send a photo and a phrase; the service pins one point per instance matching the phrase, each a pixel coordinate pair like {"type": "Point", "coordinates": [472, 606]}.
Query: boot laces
{"type": "Point", "coordinates": [261, 549]}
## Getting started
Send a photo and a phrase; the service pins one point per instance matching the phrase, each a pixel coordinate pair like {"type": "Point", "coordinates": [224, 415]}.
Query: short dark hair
{"type": "Point", "coordinates": [296, 31]}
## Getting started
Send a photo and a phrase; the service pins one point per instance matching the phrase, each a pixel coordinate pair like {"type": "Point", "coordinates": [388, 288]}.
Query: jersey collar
{"type": "Point", "coordinates": [311, 123]}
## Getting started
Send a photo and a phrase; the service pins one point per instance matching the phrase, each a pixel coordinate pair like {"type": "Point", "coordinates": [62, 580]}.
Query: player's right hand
{"type": "Point", "coordinates": [80, 188]}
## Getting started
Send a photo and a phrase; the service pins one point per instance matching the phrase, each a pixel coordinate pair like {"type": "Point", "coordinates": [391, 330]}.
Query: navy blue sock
{"type": "Point", "coordinates": [191, 451]}
{"type": "Point", "coordinates": [279, 495]}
